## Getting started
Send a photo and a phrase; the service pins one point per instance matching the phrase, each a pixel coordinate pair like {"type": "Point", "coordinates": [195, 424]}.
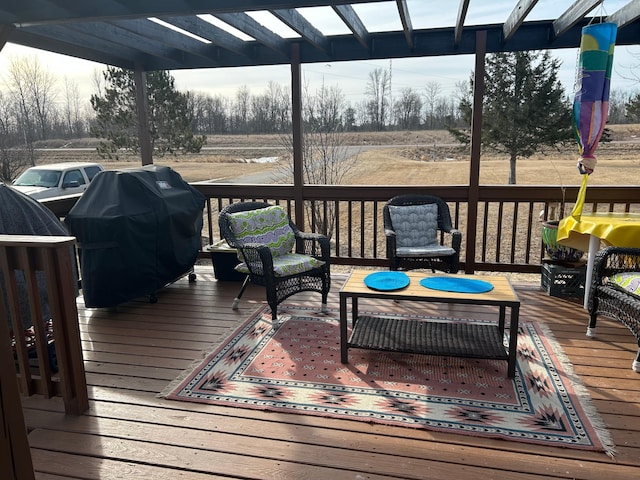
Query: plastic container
{"type": "Point", "coordinates": [224, 259]}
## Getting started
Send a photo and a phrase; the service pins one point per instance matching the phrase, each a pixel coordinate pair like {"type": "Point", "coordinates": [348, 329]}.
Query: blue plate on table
{"type": "Point", "coordinates": [386, 281]}
{"type": "Point", "coordinates": [456, 284]}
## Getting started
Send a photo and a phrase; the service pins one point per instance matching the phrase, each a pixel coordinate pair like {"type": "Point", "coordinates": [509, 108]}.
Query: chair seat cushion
{"type": "Point", "coordinates": [415, 225]}
{"type": "Point", "coordinates": [427, 252]}
{"type": "Point", "coordinates": [268, 226]}
{"type": "Point", "coordinates": [626, 281]}
{"type": "Point", "coordinates": [289, 264]}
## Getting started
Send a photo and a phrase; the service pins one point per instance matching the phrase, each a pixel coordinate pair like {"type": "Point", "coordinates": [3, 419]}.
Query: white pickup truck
{"type": "Point", "coordinates": [57, 179]}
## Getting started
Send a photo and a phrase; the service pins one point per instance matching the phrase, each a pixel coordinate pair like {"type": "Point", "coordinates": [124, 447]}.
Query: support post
{"type": "Point", "coordinates": [5, 31]}
{"type": "Point", "coordinates": [476, 140]}
{"type": "Point", "coordinates": [296, 125]}
{"type": "Point", "coordinates": [142, 110]}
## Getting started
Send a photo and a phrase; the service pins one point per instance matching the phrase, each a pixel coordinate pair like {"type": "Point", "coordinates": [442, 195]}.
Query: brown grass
{"type": "Point", "coordinates": [413, 158]}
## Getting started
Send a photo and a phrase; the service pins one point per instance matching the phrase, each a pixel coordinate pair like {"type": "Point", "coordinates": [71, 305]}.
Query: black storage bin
{"type": "Point", "coordinates": [562, 280]}
{"type": "Point", "coordinates": [138, 230]}
{"type": "Point", "coordinates": [224, 260]}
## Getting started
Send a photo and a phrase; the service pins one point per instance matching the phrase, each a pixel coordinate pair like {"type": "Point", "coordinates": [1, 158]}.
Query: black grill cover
{"type": "Point", "coordinates": [138, 230]}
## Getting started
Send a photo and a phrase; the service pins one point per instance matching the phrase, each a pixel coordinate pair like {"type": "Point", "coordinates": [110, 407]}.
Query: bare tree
{"type": "Point", "coordinates": [326, 158]}
{"type": "Point", "coordinates": [377, 92]}
{"type": "Point", "coordinates": [13, 157]}
{"type": "Point", "coordinates": [407, 109]}
{"type": "Point", "coordinates": [241, 109]}
{"type": "Point", "coordinates": [431, 98]}
{"type": "Point", "coordinates": [279, 107]}
{"type": "Point", "coordinates": [35, 88]}
{"type": "Point", "coordinates": [71, 110]}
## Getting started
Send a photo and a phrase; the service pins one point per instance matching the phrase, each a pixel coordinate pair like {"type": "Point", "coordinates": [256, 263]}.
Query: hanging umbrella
{"type": "Point", "coordinates": [590, 109]}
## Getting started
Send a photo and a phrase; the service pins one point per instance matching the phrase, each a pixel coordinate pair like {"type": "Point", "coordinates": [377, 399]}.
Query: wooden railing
{"type": "Point", "coordinates": [15, 455]}
{"type": "Point", "coordinates": [506, 235]}
{"type": "Point", "coordinates": [43, 263]}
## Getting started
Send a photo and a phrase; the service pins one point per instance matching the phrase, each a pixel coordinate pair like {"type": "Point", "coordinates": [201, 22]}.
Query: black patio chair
{"type": "Point", "coordinates": [613, 291]}
{"type": "Point", "coordinates": [265, 238]}
{"type": "Point", "coordinates": [414, 226]}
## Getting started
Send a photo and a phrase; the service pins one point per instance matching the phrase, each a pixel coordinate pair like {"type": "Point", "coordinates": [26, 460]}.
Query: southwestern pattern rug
{"type": "Point", "coordinates": [296, 368]}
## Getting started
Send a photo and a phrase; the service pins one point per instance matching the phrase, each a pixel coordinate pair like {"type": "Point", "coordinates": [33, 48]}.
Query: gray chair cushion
{"type": "Point", "coordinates": [416, 226]}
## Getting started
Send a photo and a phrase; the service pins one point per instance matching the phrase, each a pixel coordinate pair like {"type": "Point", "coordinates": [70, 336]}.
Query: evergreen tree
{"type": "Point", "coordinates": [525, 109]}
{"type": "Point", "coordinates": [170, 115]}
{"type": "Point", "coordinates": [633, 108]}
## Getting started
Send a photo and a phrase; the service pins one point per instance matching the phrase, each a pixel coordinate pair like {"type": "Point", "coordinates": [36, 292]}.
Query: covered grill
{"type": "Point", "coordinates": [138, 230]}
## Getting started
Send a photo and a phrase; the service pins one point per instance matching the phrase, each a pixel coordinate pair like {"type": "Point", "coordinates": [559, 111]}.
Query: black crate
{"type": "Point", "coordinates": [563, 281]}
{"type": "Point", "coordinates": [224, 259]}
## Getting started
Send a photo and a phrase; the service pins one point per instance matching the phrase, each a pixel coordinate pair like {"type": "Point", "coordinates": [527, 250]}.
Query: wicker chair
{"type": "Point", "coordinates": [264, 236]}
{"type": "Point", "coordinates": [412, 225]}
{"type": "Point", "coordinates": [608, 298]}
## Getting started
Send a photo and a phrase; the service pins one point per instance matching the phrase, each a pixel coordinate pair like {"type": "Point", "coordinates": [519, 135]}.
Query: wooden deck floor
{"type": "Point", "coordinates": [129, 433]}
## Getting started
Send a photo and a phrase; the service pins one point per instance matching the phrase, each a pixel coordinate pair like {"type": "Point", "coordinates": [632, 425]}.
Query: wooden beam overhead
{"type": "Point", "coordinates": [248, 25]}
{"type": "Point", "coordinates": [300, 24]}
{"type": "Point", "coordinates": [405, 18]}
{"type": "Point", "coordinates": [516, 17]}
{"type": "Point", "coordinates": [462, 15]}
{"type": "Point", "coordinates": [63, 11]}
{"type": "Point", "coordinates": [573, 15]}
{"type": "Point", "coordinates": [153, 33]}
{"type": "Point", "coordinates": [626, 15]}
{"type": "Point", "coordinates": [119, 32]}
{"type": "Point", "coordinates": [351, 20]}
{"type": "Point", "coordinates": [214, 34]}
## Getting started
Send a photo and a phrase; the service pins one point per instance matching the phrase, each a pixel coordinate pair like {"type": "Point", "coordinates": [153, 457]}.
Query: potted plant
{"type": "Point", "coordinates": [554, 250]}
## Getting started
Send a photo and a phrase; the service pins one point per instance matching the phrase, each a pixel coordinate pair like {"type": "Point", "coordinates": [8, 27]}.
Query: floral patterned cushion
{"type": "Point", "coordinates": [290, 264]}
{"type": "Point", "coordinates": [627, 281]}
{"type": "Point", "coordinates": [267, 226]}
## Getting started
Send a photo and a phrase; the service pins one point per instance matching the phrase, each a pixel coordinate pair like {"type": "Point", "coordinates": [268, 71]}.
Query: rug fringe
{"type": "Point", "coordinates": [581, 391]}
{"type": "Point", "coordinates": [203, 354]}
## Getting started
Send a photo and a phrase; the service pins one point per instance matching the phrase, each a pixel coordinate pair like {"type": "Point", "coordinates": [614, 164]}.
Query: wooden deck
{"type": "Point", "coordinates": [129, 433]}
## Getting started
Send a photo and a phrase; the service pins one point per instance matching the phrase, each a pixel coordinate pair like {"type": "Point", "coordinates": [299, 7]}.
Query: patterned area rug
{"type": "Point", "coordinates": [296, 368]}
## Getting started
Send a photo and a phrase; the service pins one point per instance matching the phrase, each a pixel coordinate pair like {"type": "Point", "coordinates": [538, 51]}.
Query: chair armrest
{"type": "Point", "coordinates": [258, 258]}
{"type": "Point", "coordinates": [306, 243]}
{"type": "Point", "coordinates": [611, 260]}
{"type": "Point", "coordinates": [456, 238]}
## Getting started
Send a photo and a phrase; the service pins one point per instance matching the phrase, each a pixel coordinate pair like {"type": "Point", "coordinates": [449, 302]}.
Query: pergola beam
{"type": "Point", "coordinates": [462, 15]}
{"type": "Point", "coordinates": [626, 15]}
{"type": "Point", "coordinates": [405, 18]}
{"type": "Point", "coordinates": [573, 15]}
{"type": "Point", "coordinates": [516, 18]}
{"type": "Point", "coordinates": [351, 20]}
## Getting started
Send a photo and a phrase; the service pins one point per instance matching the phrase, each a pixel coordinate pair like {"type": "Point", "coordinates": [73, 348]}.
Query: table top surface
{"type": "Point", "coordinates": [502, 293]}
{"type": "Point", "coordinates": [617, 229]}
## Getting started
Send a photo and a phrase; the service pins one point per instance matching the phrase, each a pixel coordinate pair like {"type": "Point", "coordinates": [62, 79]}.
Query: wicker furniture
{"type": "Point", "coordinates": [415, 226]}
{"type": "Point", "coordinates": [609, 299]}
{"type": "Point", "coordinates": [265, 237]}
{"type": "Point", "coordinates": [459, 339]}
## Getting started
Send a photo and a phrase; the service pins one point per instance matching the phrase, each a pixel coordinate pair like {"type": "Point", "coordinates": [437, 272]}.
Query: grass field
{"type": "Point", "coordinates": [412, 158]}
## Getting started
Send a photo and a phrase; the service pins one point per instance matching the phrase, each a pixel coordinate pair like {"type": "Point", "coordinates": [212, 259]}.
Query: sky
{"type": "Point", "coordinates": [351, 77]}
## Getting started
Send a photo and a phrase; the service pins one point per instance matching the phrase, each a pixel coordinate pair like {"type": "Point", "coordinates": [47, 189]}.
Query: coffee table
{"type": "Point", "coordinates": [472, 339]}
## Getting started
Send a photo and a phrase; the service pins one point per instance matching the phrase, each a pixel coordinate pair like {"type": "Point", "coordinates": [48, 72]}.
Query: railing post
{"type": "Point", "coordinates": [476, 140]}
{"type": "Point", "coordinates": [15, 455]}
{"type": "Point", "coordinates": [53, 256]}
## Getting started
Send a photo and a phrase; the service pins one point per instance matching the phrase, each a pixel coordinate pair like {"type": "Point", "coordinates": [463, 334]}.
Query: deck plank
{"type": "Point", "coordinates": [132, 353]}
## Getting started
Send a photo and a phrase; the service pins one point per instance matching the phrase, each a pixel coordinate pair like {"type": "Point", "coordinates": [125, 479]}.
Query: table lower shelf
{"type": "Point", "coordinates": [428, 337]}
